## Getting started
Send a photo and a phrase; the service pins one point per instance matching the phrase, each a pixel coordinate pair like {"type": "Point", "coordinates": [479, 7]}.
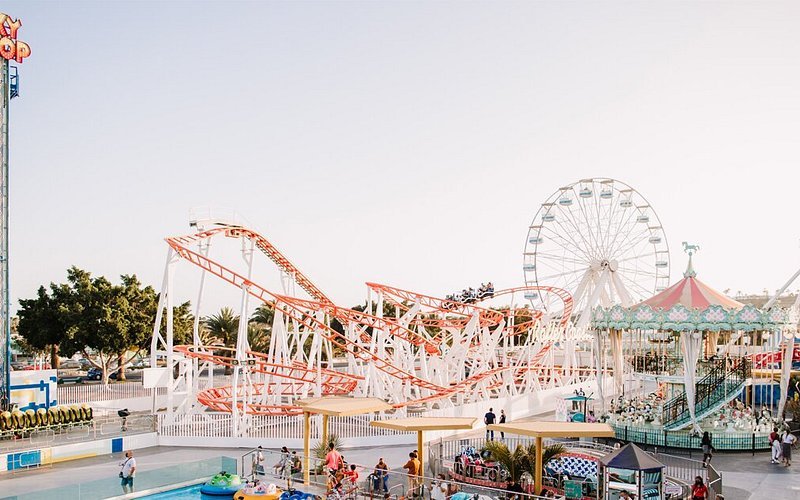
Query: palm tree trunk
{"type": "Point", "coordinates": [54, 361]}
{"type": "Point", "coordinates": [121, 366]}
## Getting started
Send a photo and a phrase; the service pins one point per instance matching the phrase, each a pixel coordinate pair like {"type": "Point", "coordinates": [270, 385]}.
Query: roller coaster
{"type": "Point", "coordinates": [434, 353]}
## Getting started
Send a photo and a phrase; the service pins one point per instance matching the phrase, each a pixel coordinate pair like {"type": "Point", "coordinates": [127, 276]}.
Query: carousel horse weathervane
{"type": "Point", "coordinates": [691, 250]}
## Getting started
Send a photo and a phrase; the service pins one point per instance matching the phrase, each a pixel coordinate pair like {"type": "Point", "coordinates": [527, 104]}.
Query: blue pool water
{"type": "Point", "coordinates": [189, 492]}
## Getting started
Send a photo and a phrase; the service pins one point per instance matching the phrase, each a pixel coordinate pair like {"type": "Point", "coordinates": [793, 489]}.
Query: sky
{"type": "Point", "coordinates": [407, 143]}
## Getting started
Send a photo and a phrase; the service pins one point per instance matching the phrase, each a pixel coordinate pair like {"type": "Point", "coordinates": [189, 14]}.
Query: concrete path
{"type": "Point", "coordinates": [103, 467]}
{"type": "Point", "coordinates": [745, 477]}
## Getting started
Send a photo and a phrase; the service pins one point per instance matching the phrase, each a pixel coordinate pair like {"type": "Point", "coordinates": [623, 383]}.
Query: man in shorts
{"type": "Point", "coordinates": [128, 472]}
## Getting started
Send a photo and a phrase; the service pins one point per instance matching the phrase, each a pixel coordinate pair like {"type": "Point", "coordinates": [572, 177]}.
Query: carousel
{"type": "Point", "coordinates": [682, 365]}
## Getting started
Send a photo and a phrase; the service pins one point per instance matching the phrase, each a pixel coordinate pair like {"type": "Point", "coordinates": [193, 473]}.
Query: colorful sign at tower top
{"type": "Point", "coordinates": [11, 48]}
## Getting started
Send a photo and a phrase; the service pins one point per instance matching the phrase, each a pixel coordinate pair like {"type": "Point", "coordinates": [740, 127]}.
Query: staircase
{"type": "Point", "coordinates": [723, 383]}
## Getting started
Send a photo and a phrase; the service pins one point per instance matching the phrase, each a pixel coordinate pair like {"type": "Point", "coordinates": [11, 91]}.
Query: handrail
{"type": "Point", "coordinates": [720, 381]}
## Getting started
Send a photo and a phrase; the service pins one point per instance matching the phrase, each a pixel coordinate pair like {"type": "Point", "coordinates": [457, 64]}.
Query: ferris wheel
{"type": "Point", "coordinates": [602, 241]}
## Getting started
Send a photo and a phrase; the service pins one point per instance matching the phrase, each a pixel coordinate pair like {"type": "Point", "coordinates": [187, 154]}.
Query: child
{"type": "Point", "coordinates": [351, 474]}
{"type": "Point", "coordinates": [776, 451]}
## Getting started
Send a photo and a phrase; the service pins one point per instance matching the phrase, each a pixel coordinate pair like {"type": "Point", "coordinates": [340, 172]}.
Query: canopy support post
{"type": "Point", "coordinates": [420, 444]}
{"type": "Point", "coordinates": [306, 448]}
{"type": "Point", "coordinates": [537, 474]}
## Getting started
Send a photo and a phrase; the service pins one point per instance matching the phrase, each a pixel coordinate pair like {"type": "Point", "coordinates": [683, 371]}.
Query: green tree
{"type": "Point", "coordinates": [523, 459]}
{"type": "Point", "coordinates": [264, 315]}
{"type": "Point", "coordinates": [41, 327]}
{"type": "Point", "coordinates": [182, 323]}
{"type": "Point", "coordinates": [223, 327]}
{"type": "Point", "coordinates": [114, 321]}
{"type": "Point", "coordinates": [258, 337]}
{"type": "Point", "coordinates": [90, 314]}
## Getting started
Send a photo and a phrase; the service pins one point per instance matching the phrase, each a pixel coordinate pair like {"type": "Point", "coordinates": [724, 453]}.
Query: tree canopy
{"type": "Point", "coordinates": [91, 314]}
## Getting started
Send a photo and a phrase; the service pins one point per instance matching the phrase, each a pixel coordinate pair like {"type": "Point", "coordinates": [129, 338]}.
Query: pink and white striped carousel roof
{"type": "Point", "coordinates": [692, 293]}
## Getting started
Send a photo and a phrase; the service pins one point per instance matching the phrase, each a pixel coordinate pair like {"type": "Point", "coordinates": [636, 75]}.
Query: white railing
{"type": "Point", "coordinates": [88, 393]}
{"type": "Point", "coordinates": [218, 425]}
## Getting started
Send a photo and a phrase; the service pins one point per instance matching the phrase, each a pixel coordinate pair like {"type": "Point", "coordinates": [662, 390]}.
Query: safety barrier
{"type": "Point", "coordinates": [87, 393]}
{"type": "Point", "coordinates": [272, 427]}
{"type": "Point", "coordinates": [271, 468]}
{"type": "Point", "coordinates": [74, 432]}
{"type": "Point", "coordinates": [680, 469]}
{"type": "Point", "coordinates": [650, 436]}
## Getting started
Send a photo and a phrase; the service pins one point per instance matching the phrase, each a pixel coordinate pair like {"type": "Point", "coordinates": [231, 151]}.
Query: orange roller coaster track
{"type": "Point", "coordinates": [300, 310]}
{"type": "Point", "coordinates": [487, 317]}
{"type": "Point", "coordinates": [264, 246]}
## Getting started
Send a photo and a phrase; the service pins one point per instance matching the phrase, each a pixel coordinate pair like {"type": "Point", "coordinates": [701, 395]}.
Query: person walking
{"type": "Point", "coordinates": [502, 421]}
{"type": "Point", "coordinates": [128, 472]}
{"type": "Point", "coordinates": [258, 461]}
{"type": "Point", "coordinates": [777, 455]}
{"type": "Point", "coordinates": [708, 448]}
{"type": "Point", "coordinates": [786, 447]}
{"type": "Point", "coordinates": [775, 446]}
{"type": "Point", "coordinates": [699, 489]}
{"type": "Point", "coordinates": [489, 419]}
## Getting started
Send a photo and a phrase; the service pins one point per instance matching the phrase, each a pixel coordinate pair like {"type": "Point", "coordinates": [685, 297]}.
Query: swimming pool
{"type": "Point", "coordinates": [186, 493]}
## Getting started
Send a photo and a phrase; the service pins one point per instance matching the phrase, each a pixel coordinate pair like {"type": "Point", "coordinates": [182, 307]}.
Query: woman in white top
{"type": "Point", "coordinates": [786, 449]}
{"type": "Point", "coordinates": [439, 488]}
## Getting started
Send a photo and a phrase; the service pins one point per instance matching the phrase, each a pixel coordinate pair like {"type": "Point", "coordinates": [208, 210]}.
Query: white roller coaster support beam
{"type": "Point", "coordinates": [241, 371]}
{"type": "Point", "coordinates": [771, 302]}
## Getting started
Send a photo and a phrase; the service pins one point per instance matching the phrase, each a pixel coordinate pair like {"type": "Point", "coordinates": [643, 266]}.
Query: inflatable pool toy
{"type": "Point", "coordinates": [222, 484]}
{"type": "Point", "coordinates": [297, 495]}
{"type": "Point", "coordinates": [261, 492]}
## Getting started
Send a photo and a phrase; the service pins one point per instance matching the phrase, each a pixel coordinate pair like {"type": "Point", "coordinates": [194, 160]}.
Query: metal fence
{"type": "Point", "coordinates": [681, 470]}
{"type": "Point", "coordinates": [739, 441]}
{"type": "Point", "coordinates": [99, 428]}
{"type": "Point", "coordinates": [370, 483]}
{"type": "Point", "coordinates": [215, 425]}
{"type": "Point", "coordinates": [88, 393]}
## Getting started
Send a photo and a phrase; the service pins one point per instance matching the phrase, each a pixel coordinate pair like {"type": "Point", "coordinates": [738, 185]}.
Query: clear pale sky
{"type": "Point", "coordinates": [408, 143]}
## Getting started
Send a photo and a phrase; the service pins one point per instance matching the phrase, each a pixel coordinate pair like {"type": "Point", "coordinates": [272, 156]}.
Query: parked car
{"type": "Point", "coordinates": [43, 366]}
{"type": "Point", "coordinates": [69, 364]}
{"type": "Point", "coordinates": [97, 374]}
{"type": "Point", "coordinates": [141, 363]}
{"type": "Point", "coordinates": [70, 377]}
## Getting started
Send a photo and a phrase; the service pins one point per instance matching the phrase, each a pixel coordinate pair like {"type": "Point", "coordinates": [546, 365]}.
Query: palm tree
{"type": "Point", "coordinates": [523, 459]}
{"type": "Point", "coordinates": [223, 326]}
{"type": "Point", "coordinates": [263, 315]}
{"type": "Point", "coordinates": [258, 337]}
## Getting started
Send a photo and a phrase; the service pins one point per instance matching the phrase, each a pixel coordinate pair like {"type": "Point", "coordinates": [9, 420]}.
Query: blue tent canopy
{"type": "Point", "coordinates": [631, 457]}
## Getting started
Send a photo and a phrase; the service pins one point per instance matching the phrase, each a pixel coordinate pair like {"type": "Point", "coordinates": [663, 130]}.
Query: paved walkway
{"type": "Point", "coordinates": [745, 477]}
{"type": "Point", "coordinates": [106, 466]}
{"type": "Point", "coordinates": [753, 477]}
